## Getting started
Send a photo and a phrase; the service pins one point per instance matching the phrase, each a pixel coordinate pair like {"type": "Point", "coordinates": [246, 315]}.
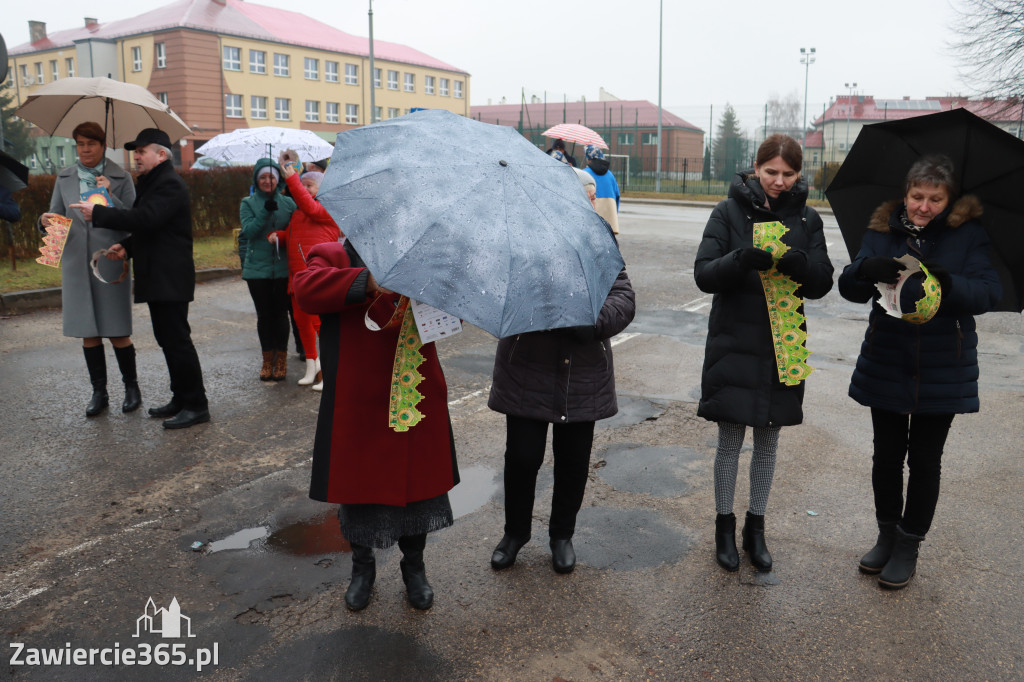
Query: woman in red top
{"type": "Point", "coordinates": [310, 225]}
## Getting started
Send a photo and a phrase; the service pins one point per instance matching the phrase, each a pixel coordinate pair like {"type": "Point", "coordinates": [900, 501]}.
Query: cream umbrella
{"type": "Point", "coordinates": [123, 109]}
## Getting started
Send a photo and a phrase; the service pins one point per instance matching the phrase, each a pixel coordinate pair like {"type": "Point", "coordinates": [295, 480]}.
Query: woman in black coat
{"type": "Point", "coordinates": [563, 377]}
{"type": "Point", "coordinates": [740, 384]}
{"type": "Point", "coordinates": [916, 377]}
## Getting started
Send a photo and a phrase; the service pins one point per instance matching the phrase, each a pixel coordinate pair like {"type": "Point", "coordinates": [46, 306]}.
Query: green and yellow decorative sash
{"type": "Point", "coordinates": [405, 376]}
{"type": "Point", "coordinates": [783, 308]}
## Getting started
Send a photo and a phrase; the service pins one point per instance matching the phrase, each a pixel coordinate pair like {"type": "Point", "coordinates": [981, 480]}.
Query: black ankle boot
{"type": "Point", "coordinates": [364, 573]}
{"type": "Point", "coordinates": [414, 572]}
{"type": "Point", "coordinates": [874, 561]}
{"type": "Point", "coordinates": [96, 362]}
{"type": "Point", "coordinates": [753, 542]}
{"type": "Point", "coordinates": [725, 542]}
{"type": "Point", "coordinates": [902, 565]}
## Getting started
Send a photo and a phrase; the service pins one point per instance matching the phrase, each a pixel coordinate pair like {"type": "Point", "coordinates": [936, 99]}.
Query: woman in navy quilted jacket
{"type": "Point", "coordinates": [916, 377]}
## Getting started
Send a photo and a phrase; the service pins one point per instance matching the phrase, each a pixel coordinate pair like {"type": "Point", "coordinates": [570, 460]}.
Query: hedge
{"type": "Point", "coordinates": [215, 196]}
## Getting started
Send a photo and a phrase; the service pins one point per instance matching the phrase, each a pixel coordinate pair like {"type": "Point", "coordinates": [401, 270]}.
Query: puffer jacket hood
{"type": "Point", "coordinates": [260, 165]}
{"type": "Point", "coordinates": [886, 217]}
{"type": "Point", "coordinates": [599, 166]}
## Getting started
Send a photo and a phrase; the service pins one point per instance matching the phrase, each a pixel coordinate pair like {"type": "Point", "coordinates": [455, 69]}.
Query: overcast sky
{"type": "Point", "coordinates": [717, 51]}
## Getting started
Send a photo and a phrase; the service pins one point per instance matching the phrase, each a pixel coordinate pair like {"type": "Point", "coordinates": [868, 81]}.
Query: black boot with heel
{"type": "Point", "coordinates": [753, 542]}
{"type": "Point", "coordinates": [96, 362]}
{"type": "Point", "coordinates": [126, 362]}
{"type": "Point", "coordinates": [725, 542]}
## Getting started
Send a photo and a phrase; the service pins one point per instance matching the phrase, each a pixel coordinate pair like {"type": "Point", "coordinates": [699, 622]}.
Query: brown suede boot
{"type": "Point", "coordinates": [280, 365]}
{"type": "Point", "coordinates": [266, 372]}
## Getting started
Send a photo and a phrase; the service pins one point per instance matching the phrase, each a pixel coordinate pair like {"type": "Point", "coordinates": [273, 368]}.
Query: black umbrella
{"type": "Point", "coordinates": [989, 163]}
{"type": "Point", "coordinates": [13, 175]}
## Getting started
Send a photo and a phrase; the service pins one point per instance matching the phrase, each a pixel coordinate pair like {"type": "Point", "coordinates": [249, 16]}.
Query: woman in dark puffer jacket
{"type": "Point", "coordinates": [916, 377]}
{"type": "Point", "coordinates": [740, 384]}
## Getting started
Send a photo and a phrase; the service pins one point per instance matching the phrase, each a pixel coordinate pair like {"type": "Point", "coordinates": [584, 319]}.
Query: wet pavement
{"type": "Point", "coordinates": [99, 515]}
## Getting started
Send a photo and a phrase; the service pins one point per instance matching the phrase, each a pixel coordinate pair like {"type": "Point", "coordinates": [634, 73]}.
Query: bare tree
{"type": "Point", "coordinates": [784, 113]}
{"type": "Point", "coordinates": [991, 46]}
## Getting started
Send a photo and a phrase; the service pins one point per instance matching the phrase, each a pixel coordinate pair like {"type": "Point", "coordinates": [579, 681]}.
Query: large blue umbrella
{"type": "Point", "coordinates": [472, 219]}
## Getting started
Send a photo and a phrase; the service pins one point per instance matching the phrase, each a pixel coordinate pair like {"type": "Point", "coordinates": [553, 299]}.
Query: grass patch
{"type": "Point", "coordinates": [210, 252]}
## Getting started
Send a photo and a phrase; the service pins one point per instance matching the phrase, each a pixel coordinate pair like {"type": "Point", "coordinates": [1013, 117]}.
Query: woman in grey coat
{"type": "Point", "coordinates": [94, 310]}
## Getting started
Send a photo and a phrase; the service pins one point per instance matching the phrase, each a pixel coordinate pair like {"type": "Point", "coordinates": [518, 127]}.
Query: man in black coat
{"type": "Point", "coordinates": [160, 224]}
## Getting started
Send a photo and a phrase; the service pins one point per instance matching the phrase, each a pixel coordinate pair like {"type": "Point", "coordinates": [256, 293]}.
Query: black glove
{"type": "Point", "coordinates": [584, 333]}
{"type": "Point", "coordinates": [270, 205]}
{"type": "Point", "coordinates": [755, 259]}
{"type": "Point", "coordinates": [881, 269]}
{"type": "Point", "coordinates": [941, 274]}
{"type": "Point", "coordinates": [794, 264]}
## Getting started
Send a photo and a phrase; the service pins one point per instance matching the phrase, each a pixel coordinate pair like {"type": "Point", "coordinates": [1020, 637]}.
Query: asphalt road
{"type": "Point", "coordinates": [99, 515]}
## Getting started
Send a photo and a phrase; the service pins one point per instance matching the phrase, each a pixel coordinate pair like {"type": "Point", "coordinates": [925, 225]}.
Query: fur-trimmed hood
{"type": "Point", "coordinates": [965, 208]}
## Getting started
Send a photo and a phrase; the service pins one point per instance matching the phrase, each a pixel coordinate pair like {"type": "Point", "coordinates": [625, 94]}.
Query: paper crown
{"type": "Point", "coordinates": [928, 304]}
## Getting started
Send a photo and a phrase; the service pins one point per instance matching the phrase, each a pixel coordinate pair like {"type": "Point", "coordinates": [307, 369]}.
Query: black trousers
{"type": "Point", "coordinates": [270, 296]}
{"type": "Point", "coordinates": [525, 440]}
{"type": "Point", "coordinates": [174, 336]}
{"type": "Point", "coordinates": [918, 439]}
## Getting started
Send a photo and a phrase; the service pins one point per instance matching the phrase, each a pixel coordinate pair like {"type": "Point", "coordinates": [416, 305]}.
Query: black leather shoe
{"type": "Point", "coordinates": [132, 397]}
{"type": "Point", "coordinates": [187, 418]}
{"type": "Point", "coordinates": [164, 411]}
{"type": "Point", "coordinates": [97, 403]}
{"type": "Point", "coordinates": [506, 551]}
{"type": "Point", "coordinates": [563, 556]}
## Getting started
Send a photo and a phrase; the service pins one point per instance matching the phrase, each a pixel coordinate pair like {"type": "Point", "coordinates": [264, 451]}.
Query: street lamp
{"type": "Point", "coordinates": [806, 58]}
{"type": "Point", "coordinates": [850, 87]}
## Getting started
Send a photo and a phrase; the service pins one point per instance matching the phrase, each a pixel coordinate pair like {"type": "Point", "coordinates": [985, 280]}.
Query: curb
{"type": "Point", "coordinates": [40, 299]}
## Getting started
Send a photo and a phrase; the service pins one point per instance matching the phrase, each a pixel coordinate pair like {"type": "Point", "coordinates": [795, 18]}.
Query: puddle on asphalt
{"type": "Point", "coordinates": [312, 537]}
{"type": "Point", "coordinates": [476, 487]}
{"type": "Point", "coordinates": [240, 540]}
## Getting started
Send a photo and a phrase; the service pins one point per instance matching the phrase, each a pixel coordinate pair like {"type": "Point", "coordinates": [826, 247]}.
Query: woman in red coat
{"type": "Point", "coordinates": [310, 225]}
{"type": "Point", "coordinates": [391, 479]}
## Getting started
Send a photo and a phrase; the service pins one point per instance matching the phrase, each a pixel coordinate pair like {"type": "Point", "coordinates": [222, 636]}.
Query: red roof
{"type": "Point", "coordinates": [244, 20]}
{"type": "Point", "coordinates": [867, 108]}
{"type": "Point", "coordinates": [815, 139]}
{"type": "Point", "coordinates": [609, 114]}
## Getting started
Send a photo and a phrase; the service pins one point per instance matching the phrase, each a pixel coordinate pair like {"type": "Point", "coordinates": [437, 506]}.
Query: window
{"type": "Point", "coordinates": [33, 162]}
{"type": "Point", "coordinates": [282, 109]}
{"type": "Point", "coordinates": [378, 114]}
{"type": "Point", "coordinates": [136, 59]}
{"type": "Point", "coordinates": [331, 72]}
{"type": "Point", "coordinates": [649, 139]}
{"type": "Point", "coordinates": [352, 74]}
{"type": "Point", "coordinates": [410, 82]}
{"type": "Point", "coordinates": [162, 96]}
{"type": "Point", "coordinates": [444, 87]}
{"type": "Point", "coordinates": [161, 56]}
{"type": "Point", "coordinates": [257, 61]}
{"type": "Point", "coordinates": [312, 69]}
{"type": "Point", "coordinates": [258, 107]}
{"type": "Point", "coordinates": [625, 139]}
{"type": "Point", "coordinates": [428, 85]}
{"type": "Point", "coordinates": [39, 72]}
{"type": "Point", "coordinates": [60, 156]}
{"type": "Point", "coordinates": [331, 112]}
{"type": "Point", "coordinates": [376, 78]}
{"type": "Point", "coordinates": [392, 80]}
{"type": "Point", "coordinates": [351, 113]}
{"type": "Point", "coordinates": [232, 58]}
{"type": "Point", "coordinates": [233, 106]}
{"type": "Point", "coordinates": [70, 64]}
{"type": "Point", "coordinates": [458, 88]}
{"type": "Point", "coordinates": [25, 78]}
{"type": "Point", "coordinates": [53, 69]}
{"type": "Point", "coordinates": [312, 111]}
{"type": "Point", "coordinates": [281, 67]}
{"type": "Point", "coordinates": [393, 112]}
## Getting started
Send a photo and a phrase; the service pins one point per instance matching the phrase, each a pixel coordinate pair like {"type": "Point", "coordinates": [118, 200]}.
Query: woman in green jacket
{"type": "Point", "coordinates": [265, 267]}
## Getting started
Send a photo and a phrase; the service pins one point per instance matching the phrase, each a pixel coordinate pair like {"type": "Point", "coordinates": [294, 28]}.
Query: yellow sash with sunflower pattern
{"type": "Point", "coordinates": [783, 308]}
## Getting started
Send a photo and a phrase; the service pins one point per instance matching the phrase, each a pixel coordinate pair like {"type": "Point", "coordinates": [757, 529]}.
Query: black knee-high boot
{"type": "Point", "coordinates": [126, 361]}
{"type": "Point", "coordinates": [414, 572]}
{"type": "Point", "coordinates": [96, 362]}
{"type": "Point", "coordinates": [364, 572]}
